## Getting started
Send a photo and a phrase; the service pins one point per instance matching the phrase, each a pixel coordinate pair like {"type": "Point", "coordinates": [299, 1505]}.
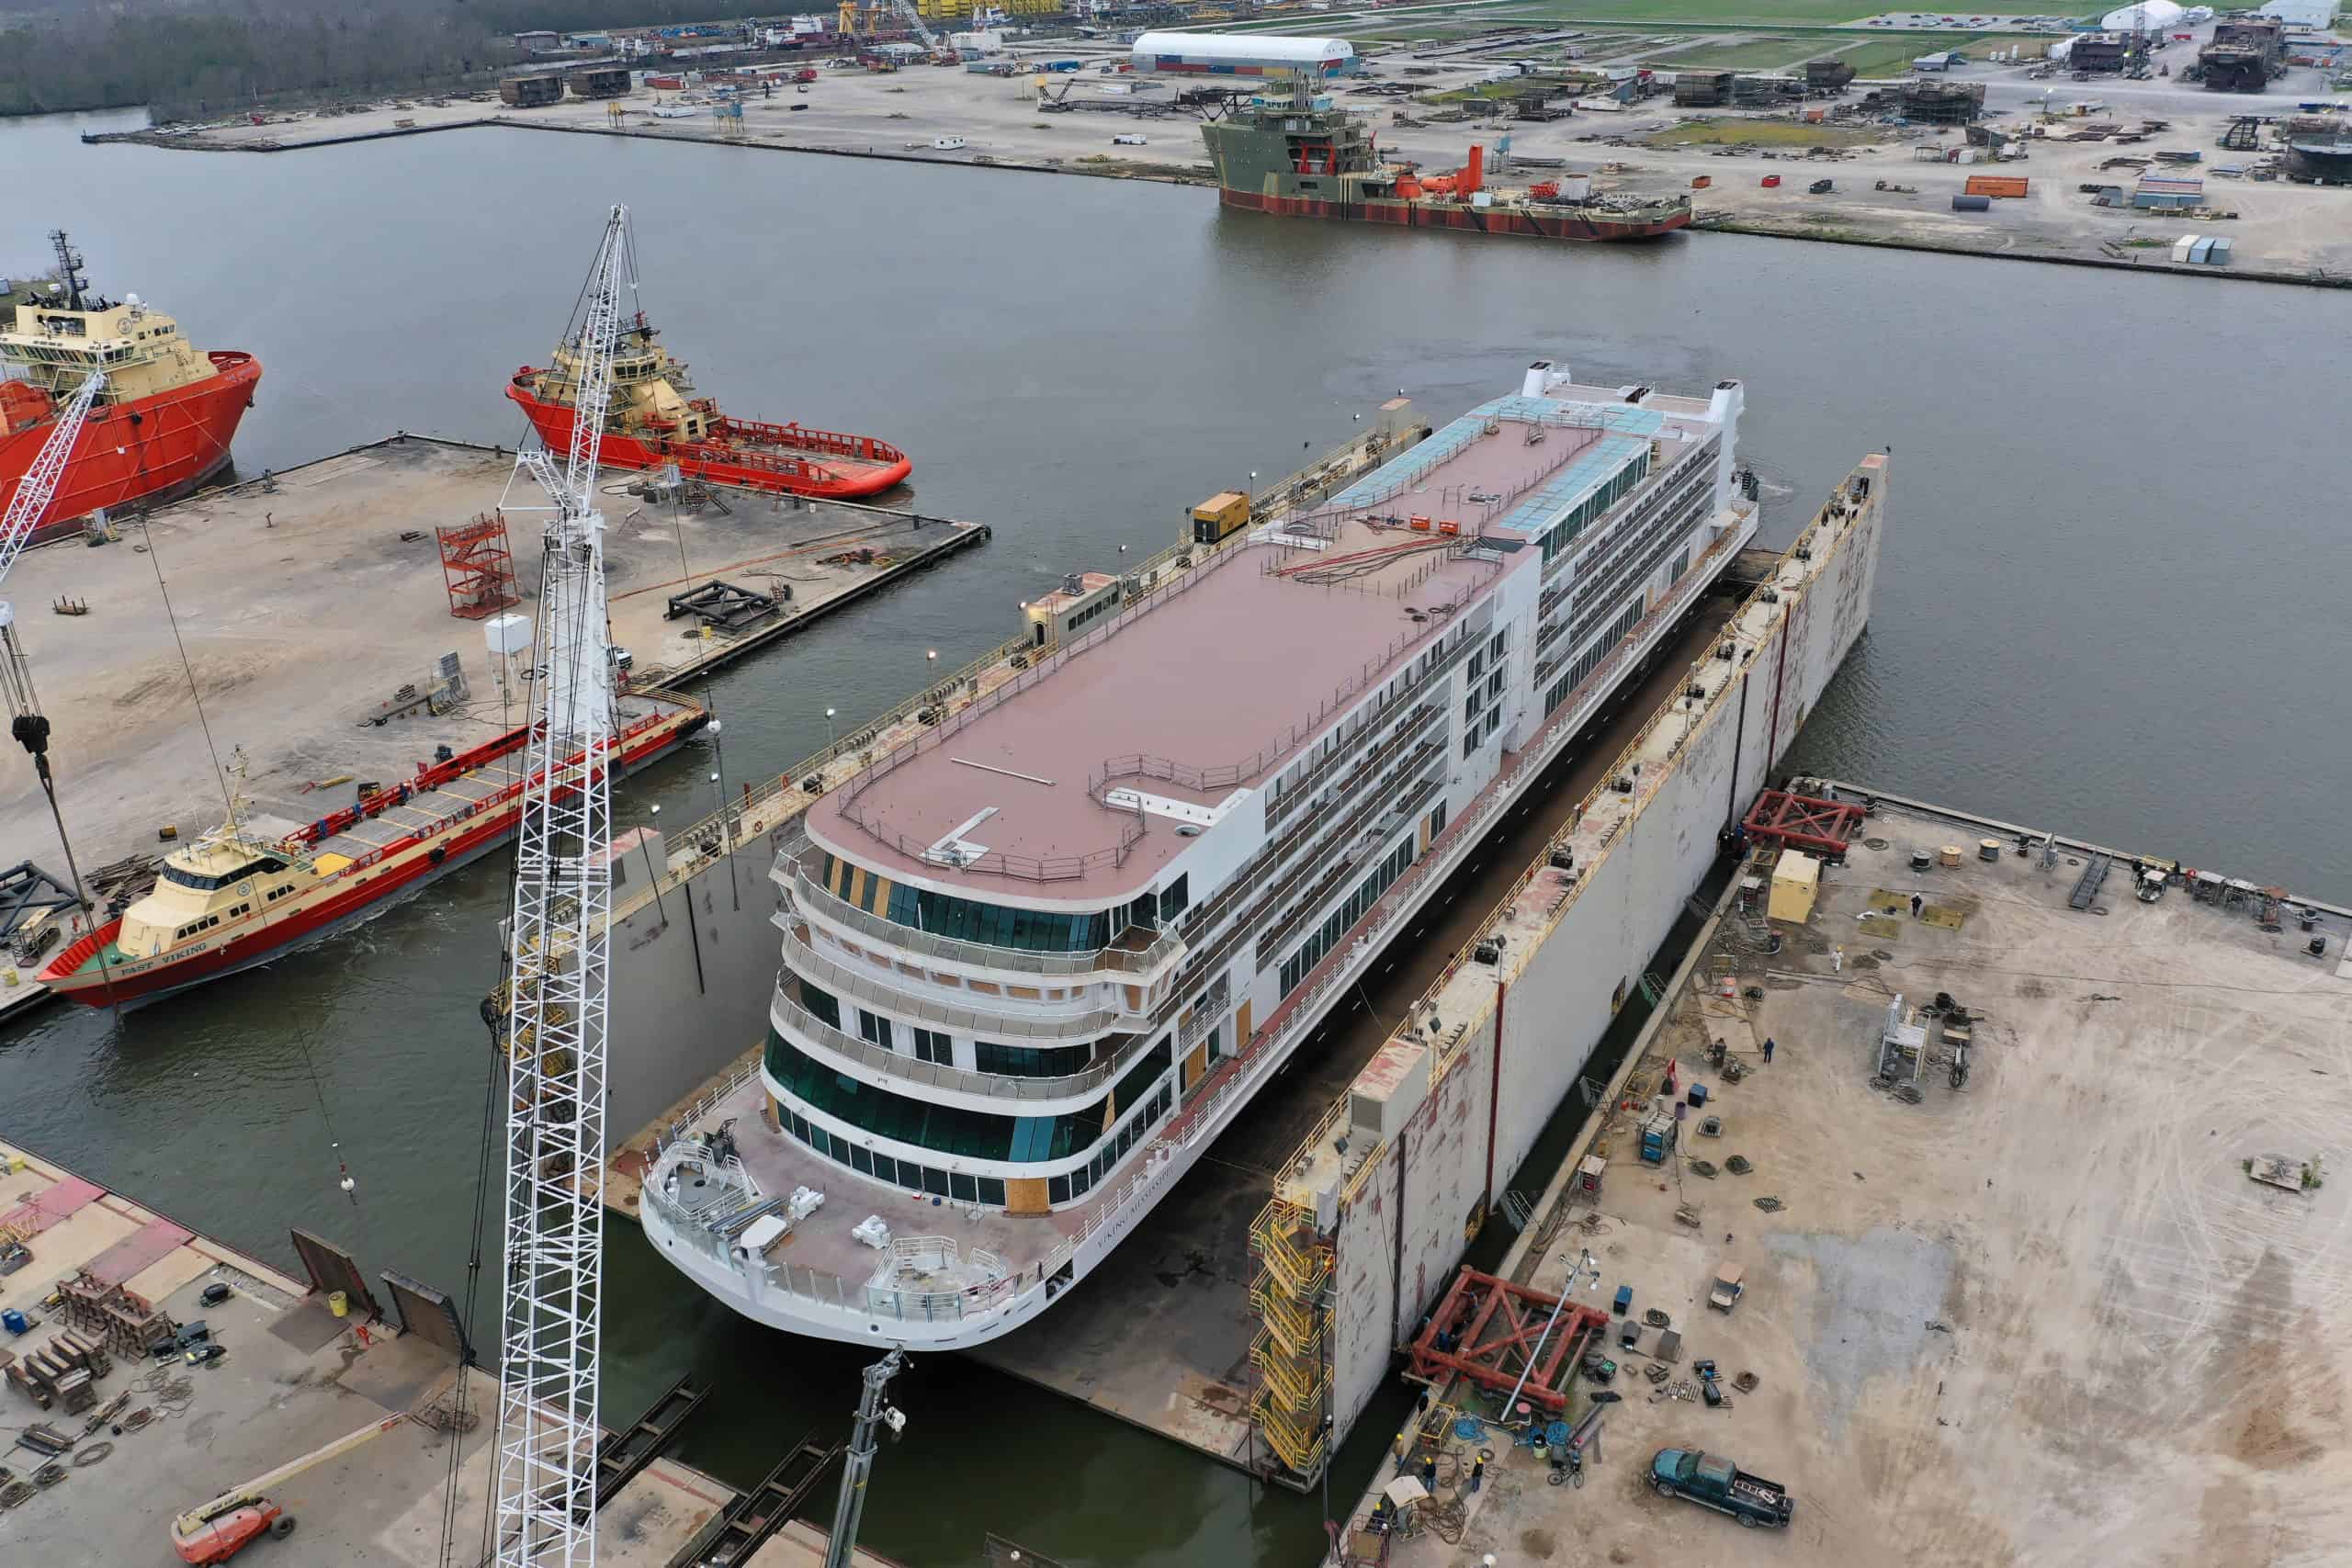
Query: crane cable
{"type": "Point", "coordinates": [343, 1179]}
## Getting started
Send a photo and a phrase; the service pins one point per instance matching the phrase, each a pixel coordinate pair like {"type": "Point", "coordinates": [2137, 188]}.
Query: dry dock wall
{"type": "Point", "coordinates": [1407, 1210]}
{"type": "Point", "coordinates": [700, 964]}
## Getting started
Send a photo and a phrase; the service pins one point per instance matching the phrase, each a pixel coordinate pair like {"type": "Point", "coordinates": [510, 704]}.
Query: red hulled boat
{"type": "Point", "coordinates": [656, 420]}
{"type": "Point", "coordinates": [162, 425]}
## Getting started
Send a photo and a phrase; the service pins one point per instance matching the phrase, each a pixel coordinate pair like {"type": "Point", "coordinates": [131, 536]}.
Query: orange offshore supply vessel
{"type": "Point", "coordinates": [162, 424]}
{"type": "Point", "coordinates": [657, 420]}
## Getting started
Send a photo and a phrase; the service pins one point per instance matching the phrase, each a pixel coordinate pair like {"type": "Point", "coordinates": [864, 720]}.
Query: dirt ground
{"type": "Point", "coordinates": [2279, 228]}
{"type": "Point", "coordinates": [300, 609]}
{"type": "Point", "coordinates": [1998, 1325]}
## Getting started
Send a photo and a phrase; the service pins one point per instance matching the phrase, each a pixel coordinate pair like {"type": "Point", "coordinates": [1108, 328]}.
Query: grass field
{"type": "Point", "coordinates": [1749, 54]}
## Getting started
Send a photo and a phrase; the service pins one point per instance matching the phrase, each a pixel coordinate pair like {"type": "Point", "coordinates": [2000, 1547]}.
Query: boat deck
{"type": "Point", "coordinates": [822, 1242]}
{"type": "Point", "coordinates": [423, 811]}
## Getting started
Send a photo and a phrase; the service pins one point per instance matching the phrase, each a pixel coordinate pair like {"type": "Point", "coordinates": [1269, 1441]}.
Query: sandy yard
{"type": "Point", "coordinates": [301, 609]}
{"type": "Point", "coordinates": [1998, 1326]}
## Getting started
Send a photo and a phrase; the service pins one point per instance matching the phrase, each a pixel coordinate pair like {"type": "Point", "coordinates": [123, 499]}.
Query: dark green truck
{"type": "Point", "coordinates": [1722, 1486]}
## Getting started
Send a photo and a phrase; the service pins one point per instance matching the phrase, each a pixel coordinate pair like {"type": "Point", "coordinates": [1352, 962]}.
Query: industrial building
{"type": "Point", "coordinates": [1244, 54]}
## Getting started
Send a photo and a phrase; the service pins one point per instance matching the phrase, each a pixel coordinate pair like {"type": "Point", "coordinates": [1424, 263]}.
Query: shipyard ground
{"type": "Point", "coordinates": [295, 1378]}
{"type": "Point", "coordinates": [1990, 1326]}
{"type": "Point", "coordinates": [302, 603]}
{"type": "Point", "coordinates": [2279, 229]}
{"type": "Point", "coordinates": [1161, 1337]}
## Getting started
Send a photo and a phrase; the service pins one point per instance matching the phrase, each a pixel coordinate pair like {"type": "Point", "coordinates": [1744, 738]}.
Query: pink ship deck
{"type": "Point", "coordinates": [1232, 668]}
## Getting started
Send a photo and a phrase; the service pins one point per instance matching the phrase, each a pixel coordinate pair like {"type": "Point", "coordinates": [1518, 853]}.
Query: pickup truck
{"type": "Point", "coordinates": [1721, 1486]}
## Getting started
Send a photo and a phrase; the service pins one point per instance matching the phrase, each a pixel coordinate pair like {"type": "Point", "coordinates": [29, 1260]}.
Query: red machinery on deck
{"type": "Point", "coordinates": [1495, 1331]}
{"type": "Point", "coordinates": [1804, 822]}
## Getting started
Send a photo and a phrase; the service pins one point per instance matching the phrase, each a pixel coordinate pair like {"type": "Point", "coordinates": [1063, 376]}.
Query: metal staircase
{"type": "Point", "coordinates": [1294, 1388]}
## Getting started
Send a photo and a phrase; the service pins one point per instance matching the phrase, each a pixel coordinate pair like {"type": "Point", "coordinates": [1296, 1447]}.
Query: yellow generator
{"type": "Point", "coordinates": [1215, 519]}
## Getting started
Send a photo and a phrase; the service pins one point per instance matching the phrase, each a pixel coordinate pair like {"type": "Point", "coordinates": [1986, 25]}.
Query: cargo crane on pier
{"type": "Point", "coordinates": [26, 511]}
{"type": "Point", "coordinates": [559, 979]}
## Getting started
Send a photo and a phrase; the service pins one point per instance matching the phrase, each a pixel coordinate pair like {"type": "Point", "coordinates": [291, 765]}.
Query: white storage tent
{"type": "Point", "coordinates": [2154, 16]}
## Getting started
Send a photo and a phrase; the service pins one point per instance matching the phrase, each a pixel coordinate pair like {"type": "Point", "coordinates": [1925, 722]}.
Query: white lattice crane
{"type": "Point", "coordinates": [35, 493]}
{"type": "Point", "coordinates": [558, 981]}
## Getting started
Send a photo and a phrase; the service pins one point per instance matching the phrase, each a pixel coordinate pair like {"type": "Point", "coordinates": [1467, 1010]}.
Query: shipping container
{"type": "Point", "coordinates": [1995, 184]}
{"type": "Point", "coordinates": [2220, 254]}
{"type": "Point", "coordinates": [1972, 204]}
{"type": "Point", "coordinates": [2183, 247]}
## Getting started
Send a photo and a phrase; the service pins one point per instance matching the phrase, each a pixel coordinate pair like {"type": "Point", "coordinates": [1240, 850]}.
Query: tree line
{"type": "Point", "coordinates": [185, 58]}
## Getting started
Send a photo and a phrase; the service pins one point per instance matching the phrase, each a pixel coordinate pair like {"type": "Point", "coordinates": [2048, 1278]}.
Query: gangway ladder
{"type": "Point", "coordinates": [2087, 888]}
{"type": "Point", "coordinates": [740, 1529]}
{"type": "Point", "coordinates": [625, 1453]}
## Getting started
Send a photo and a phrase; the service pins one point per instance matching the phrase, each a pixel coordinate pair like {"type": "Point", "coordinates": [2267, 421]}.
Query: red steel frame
{"type": "Point", "coordinates": [1496, 1325]}
{"type": "Point", "coordinates": [478, 563]}
{"type": "Point", "coordinates": [1802, 821]}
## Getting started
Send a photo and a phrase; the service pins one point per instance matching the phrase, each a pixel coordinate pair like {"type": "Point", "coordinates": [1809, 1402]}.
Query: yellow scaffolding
{"type": "Point", "coordinates": [1289, 1403]}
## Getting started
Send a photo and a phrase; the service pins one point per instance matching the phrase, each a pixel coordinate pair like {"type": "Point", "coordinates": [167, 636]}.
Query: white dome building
{"type": "Point", "coordinates": [2154, 16]}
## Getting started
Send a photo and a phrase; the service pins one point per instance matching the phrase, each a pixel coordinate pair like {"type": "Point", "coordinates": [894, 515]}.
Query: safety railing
{"type": "Point", "coordinates": [1102, 963]}
{"type": "Point", "coordinates": [714, 1236]}
{"type": "Point", "coordinates": [865, 984]}
{"type": "Point", "coordinates": [789, 1014]}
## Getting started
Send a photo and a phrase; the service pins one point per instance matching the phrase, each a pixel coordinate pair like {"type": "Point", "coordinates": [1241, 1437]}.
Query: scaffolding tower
{"type": "Point", "coordinates": [1293, 1397]}
{"type": "Point", "coordinates": [478, 561]}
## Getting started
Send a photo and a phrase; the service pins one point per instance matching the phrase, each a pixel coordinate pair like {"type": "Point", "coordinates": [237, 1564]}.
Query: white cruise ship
{"type": "Point", "coordinates": [1035, 962]}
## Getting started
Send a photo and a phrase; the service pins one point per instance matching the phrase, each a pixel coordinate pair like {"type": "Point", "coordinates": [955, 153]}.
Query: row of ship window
{"type": "Point", "coordinates": [1589, 660]}
{"type": "Point", "coordinates": [955, 1129]}
{"type": "Point", "coordinates": [963, 1186]}
{"type": "Point", "coordinates": [1563, 534]}
{"type": "Point", "coordinates": [1325, 936]}
{"type": "Point", "coordinates": [938, 1046]}
{"type": "Point", "coordinates": [997, 925]}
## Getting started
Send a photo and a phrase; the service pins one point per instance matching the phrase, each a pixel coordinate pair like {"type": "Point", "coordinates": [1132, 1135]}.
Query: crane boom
{"type": "Point", "coordinates": [559, 979]}
{"type": "Point", "coordinates": [38, 486]}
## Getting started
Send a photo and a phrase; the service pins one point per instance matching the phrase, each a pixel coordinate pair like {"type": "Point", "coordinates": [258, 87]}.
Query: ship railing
{"type": "Point", "coordinates": [884, 991]}
{"type": "Point", "coordinates": [744, 1073]}
{"type": "Point", "coordinates": [1105, 962]}
{"type": "Point", "coordinates": [1029, 867]}
{"type": "Point", "coordinates": [715, 1235]}
{"type": "Point", "coordinates": [1230, 775]}
{"type": "Point", "coordinates": [762, 806]}
{"type": "Point", "coordinates": [791, 1014]}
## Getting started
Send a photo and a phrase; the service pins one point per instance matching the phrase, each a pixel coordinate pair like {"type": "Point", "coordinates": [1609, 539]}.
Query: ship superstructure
{"type": "Point", "coordinates": [656, 419]}
{"type": "Point", "coordinates": [1035, 961]}
{"type": "Point", "coordinates": [162, 423]}
{"type": "Point", "coordinates": [1291, 151]}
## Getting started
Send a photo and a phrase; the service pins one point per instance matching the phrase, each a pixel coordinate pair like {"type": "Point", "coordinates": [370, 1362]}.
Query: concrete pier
{"type": "Point", "coordinates": [1985, 1318]}
{"type": "Point", "coordinates": [302, 602]}
{"type": "Point", "coordinates": [295, 1377]}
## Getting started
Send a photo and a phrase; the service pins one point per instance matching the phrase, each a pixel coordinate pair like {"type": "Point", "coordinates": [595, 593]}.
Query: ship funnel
{"type": "Point", "coordinates": [1531, 386]}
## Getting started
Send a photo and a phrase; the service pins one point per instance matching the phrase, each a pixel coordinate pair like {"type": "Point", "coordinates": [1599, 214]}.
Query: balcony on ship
{"type": "Point", "coordinates": [727, 1195]}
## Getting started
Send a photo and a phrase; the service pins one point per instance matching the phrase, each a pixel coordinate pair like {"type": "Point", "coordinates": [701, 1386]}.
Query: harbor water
{"type": "Point", "coordinates": [2115, 560]}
